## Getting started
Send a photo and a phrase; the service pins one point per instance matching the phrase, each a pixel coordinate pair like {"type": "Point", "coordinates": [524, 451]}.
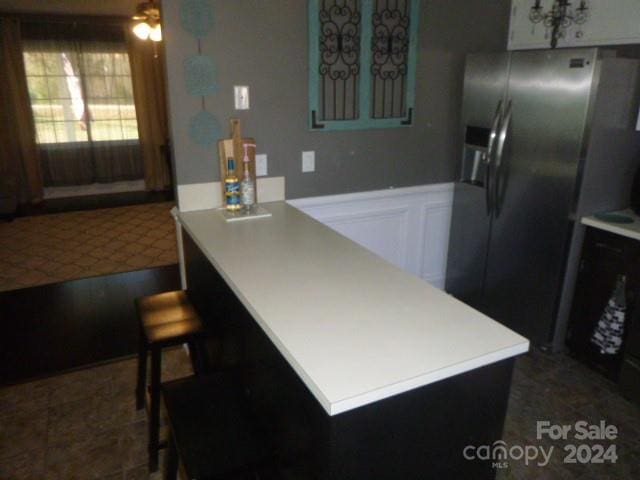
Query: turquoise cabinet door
{"type": "Point", "coordinates": [362, 63]}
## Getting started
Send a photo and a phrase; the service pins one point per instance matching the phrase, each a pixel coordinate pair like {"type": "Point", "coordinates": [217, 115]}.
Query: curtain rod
{"type": "Point", "coordinates": [61, 18]}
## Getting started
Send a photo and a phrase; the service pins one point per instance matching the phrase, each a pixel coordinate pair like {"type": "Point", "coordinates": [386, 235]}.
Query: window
{"type": "Point", "coordinates": [362, 63]}
{"type": "Point", "coordinates": [80, 94]}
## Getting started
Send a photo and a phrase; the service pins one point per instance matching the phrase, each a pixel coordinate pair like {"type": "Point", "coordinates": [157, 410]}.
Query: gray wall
{"type": "Point", "coordinates": [263, 44]}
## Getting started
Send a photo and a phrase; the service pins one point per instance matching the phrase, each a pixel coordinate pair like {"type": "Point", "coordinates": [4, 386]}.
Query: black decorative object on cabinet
{"type": "Point", "coordinates": [604, 256]}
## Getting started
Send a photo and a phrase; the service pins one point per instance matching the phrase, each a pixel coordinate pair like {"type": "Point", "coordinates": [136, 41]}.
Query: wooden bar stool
{"type": "Point", "coordinates": [213, 434]}
{"type": "Point", "coordinates": [166, 320]}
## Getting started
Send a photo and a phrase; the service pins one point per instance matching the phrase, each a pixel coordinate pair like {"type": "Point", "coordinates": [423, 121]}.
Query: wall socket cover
{"type": "Point", "coordinates": [261, 165]}
{"type": "Point", "coordinates": [309, 161]}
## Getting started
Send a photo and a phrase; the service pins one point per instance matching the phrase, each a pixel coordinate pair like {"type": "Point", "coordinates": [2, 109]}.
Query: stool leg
{"type": "Point", "coordinates": [141, 384]}
{"type": "Point", "coordinates": [197, 355]}
{"type": "Point", "coordinates": [154, 417]}
{"type": "Point", "coordinates": [171, 460]}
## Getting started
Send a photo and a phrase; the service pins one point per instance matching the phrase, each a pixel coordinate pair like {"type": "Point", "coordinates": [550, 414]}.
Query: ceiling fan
{"type": "Point", "coordinates": [147, 21]}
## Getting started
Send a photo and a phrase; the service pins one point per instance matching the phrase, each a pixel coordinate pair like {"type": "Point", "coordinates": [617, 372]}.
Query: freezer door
{"type": "Point", "coordinates": [546, 117]}
{"type": "Point", "coordinates": [484, 89]}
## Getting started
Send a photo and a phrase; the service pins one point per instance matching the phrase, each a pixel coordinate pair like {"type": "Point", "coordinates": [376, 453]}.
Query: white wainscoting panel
{"type": "Point", "coordinates": [409, 227]}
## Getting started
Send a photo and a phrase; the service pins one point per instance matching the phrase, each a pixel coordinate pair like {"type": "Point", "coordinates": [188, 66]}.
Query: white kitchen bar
{"type": "Point", "coordinates": [343, 329]}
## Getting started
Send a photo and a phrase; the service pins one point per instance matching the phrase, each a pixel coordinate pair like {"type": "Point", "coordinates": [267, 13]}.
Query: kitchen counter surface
{"type": "Point", "coordinates": [630, 230]}
{"type": "Point", "coordinates": [355, 328]}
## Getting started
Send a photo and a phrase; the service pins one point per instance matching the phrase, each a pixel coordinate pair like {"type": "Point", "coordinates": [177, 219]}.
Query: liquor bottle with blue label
{"type": "Point", "coordinates": [232, 187]}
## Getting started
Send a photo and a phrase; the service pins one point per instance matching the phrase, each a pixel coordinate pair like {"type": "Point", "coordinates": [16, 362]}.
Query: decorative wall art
{"type": "Point", "coordinates": [200, 75]}
{"type": "Point", "coordinates": [204, 129]}
{"type": "Point", "coordinates": [196, 17]}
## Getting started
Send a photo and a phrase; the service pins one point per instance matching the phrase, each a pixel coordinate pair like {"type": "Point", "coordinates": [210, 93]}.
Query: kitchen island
{"type": "Point", "coordinates": [357, 369]}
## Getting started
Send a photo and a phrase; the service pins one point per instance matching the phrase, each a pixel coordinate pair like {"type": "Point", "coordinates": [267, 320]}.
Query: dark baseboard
{"type": "Point", "coordinates": [59, 327]}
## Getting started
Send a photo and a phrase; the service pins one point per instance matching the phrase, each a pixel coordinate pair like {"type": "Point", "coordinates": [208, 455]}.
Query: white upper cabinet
{"type": "Point", "coordinates": [609, 22]}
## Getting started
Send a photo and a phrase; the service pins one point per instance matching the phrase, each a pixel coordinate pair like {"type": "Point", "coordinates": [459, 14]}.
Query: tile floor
{"type": "Point", "coordinates": [561, 390]}
{"type": "Point", "coordinates": [83, 425]}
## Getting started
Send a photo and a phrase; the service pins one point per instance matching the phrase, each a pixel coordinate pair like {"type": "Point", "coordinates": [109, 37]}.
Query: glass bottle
{"type": "Point", "coordinates": [231, 187]}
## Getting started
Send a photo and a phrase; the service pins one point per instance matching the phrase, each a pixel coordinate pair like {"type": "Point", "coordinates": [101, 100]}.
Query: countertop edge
{"type": "Point", "coordinates": [619, 229]}
{"type": "Point", "coordinates": [427, 379]}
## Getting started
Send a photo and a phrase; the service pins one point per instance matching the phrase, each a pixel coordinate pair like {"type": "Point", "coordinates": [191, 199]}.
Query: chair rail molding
{"type": "Point", "coordinates": [408, 227]}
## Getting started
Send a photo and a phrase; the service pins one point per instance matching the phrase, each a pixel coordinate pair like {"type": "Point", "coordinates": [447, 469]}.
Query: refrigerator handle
{"type": "Point", "coordinates": [502, 137]}
{"type": "Point", "coordinates": [489, 156]}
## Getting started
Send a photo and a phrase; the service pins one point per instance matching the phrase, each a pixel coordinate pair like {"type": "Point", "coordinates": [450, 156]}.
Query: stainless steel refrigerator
{"type": "Point", "coordinates": [547, 137]}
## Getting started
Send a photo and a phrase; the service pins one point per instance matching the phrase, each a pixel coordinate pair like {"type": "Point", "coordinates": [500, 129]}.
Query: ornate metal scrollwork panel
{"type": "Point", "coordinates": [339, 67]}
{"type": "Point", "coordinates": [389, 57]}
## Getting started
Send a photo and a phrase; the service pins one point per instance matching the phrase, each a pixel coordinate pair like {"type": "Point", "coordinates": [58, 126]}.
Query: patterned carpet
{"type": "Point", "coordinates": [66, 246]}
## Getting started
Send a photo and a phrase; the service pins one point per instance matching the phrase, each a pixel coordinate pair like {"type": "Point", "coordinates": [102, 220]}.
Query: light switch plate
{"type": "Point", "coordinates": [309, 161]}
{"type": "Point", "coordinates": [241, 97]}
{"type": "Point", "coordinates": [261, 165]}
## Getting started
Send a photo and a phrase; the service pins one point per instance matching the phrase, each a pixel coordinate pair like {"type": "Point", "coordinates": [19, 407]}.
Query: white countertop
{"type": "Point", "coordinates": [630, 230]}
{"type": "Point", "coordinates": [355, 328]}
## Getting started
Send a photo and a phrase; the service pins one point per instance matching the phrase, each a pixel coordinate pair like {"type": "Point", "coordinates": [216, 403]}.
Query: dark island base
{"type": "Point", "coordinates": [416, 435]}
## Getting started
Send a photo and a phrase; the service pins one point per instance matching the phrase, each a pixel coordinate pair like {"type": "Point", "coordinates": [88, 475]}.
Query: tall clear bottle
{"type": "Point", "coordinates": [232, 187]}
{"type": "Point", "coordinates": [247, 188]}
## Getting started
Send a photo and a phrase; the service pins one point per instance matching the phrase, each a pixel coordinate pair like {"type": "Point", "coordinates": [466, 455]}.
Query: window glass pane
{"type": "Point", "coordinates": [130, 129]}
{"type": "Point", "coordinates": [33, 63]}
{"type": "Point", "coordinates": [128, 111]}
{"type": "Point", "coordinates": [63, 110]}
{"type": "Point", "coordinates": [38, 88]}
{"type": "Point", "coordinates": [64, 131]}
{"type": "Point", "coordinates": [104, 110]}
{"type": "Point", "coordinates": [45, 132]}
{"type": "Point", "coordinates": [75, 131]}
{"type": "Point", "coordinates": [96, 87]}
{"type": "Point", "coordinates": [111, 82]}
{"type": "Point", "coordinates": [98, 63]}
{"type": "Point", "coordinates": [41, 110]}
{"type": "Point", "coordinates": [106, 130]}
{"type": "Point", "coordinates": [122, 87]}
{"type": "Point", "coordinates": [121, 63]}
{"type": "Point", "coordinates": [53, 63]}
{"type": "Point", "coordinates": [59, 87]}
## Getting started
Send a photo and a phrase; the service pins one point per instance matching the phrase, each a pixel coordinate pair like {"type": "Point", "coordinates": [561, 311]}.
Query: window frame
{"type": "Point", "coordinates": [87, 100]}
{"type": "Point", "coordinates": [364, 120]}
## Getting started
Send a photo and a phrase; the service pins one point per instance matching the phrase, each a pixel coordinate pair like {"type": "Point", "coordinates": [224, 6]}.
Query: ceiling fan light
{"type": "Point", "coordinates": [156, 33]}
{"type": "Point", "coordinates": [142, 30]}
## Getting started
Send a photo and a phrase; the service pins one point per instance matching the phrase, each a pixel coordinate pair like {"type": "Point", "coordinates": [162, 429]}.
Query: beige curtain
{"type": "Point", "coordinates": [19, 155]}
{"type": "Point", "coordinates": [148, 77]}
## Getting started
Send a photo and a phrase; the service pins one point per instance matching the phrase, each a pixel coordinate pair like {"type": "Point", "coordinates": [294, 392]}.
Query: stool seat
{"type": "Point", "coordinates": [212, 429]}
{"type": "Point", "coordinates": [166, 319]}
{"type": "Point", "coordinates": [174, 333]}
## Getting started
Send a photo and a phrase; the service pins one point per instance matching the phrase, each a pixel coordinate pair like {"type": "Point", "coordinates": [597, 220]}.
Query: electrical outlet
{"type": "Point", "coordinates": [241, 97]}
{"type": "Point", "coordinates": [261, 165]}
{"type": "Point", "coordinates": [309, 161]}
